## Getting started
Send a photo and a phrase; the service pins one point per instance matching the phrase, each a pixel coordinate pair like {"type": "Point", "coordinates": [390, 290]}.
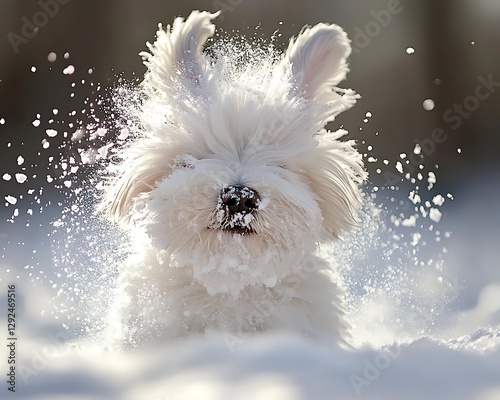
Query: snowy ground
{"type": "Point", "coordinates": [456, 355]}
{"type": "Point", "coordinates": [424, 305]}
{"type": "Point", "coordinates": [280, 366]}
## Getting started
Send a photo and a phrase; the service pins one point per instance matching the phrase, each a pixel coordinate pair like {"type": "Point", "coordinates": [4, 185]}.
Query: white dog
{"type": "Point", "coordinates": [229, 186]}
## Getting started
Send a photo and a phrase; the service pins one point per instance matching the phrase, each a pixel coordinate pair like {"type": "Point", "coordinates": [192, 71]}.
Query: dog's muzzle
{"type": "Point", "coordinates": [236, 208]}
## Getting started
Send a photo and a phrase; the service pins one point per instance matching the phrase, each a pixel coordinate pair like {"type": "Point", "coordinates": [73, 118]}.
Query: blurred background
{"type": "Point", "coordinates": [404, 53]}
{"type": "Point", "coordinates": [427, 71]}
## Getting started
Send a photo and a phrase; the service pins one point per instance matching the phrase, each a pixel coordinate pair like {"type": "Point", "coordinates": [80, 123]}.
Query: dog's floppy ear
{"type": "Point", "coordinates": [317, 58]}
{"type": "Point", "coordinates": [335, 174]}
{"type": "Point", "coordinates": [175, 57]}
{"type": "Point", "coordinates": [143, 165]}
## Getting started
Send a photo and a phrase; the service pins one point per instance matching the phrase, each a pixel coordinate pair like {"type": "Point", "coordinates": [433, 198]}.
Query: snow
{"type": "Point", "coordinates": [411, 221]}
{"type": "Point", "coordinates": [414, 197]}
{"type": "Point", "coordinates": [78, 134]}
{"type": "Point", "coordinates": [280, 366]}
{"type": "Point", "coordinates": [124, 133]}
{"type": "Point", "coordinates": [431, 332]}
{"type": "Point", "coordinates": [100, 132]}
{"type": "Point", "coordinates": [435, 214]}
{"type": "Point", "coordinates": [11, 199]}
{"type": "Point", "coordinates": [69, 70]}
{"type": "Point", "coordinates": [456, 360]}
{"type": "Point", "coordinates": [21, 178]}
{"type": "Point", "coordinates": [428, 104]}
{"type": "Point", "coordinates": [438, 200]}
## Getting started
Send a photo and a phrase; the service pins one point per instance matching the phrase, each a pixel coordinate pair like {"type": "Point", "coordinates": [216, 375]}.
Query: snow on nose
{"type": "Point", "coordinates": [239, 199]}
{"type": "Point", "coordinates": [236, 206]}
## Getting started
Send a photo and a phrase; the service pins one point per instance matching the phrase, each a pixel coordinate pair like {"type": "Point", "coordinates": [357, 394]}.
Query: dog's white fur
{"type": "Point", "coordinates": [208, 123]}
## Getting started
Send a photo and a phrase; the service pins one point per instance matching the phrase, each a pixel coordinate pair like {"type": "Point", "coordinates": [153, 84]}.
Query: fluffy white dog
{"type": "Point", "coordinates": [230, 185]}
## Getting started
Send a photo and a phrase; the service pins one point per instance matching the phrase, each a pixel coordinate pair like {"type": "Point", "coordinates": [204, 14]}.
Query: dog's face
{"type": "Point", "coordinates": [232, 173]}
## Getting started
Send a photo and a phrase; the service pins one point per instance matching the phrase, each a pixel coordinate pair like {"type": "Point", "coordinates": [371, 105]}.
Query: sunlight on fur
{"type": "Point", "coordinates": [230, 183]}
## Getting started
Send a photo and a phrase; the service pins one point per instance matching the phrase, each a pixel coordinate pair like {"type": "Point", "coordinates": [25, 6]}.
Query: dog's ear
{"type": "Point", "coordinates": [175, 57]}
{"type": "Point", "coordinates": [317, 59]}
{"type": "Point", "coordinates": [142, 166]}
{"type": "Point", "coordinates": [335, 175]}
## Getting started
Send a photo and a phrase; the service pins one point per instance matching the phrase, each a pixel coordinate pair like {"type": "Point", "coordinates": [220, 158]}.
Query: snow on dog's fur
{"type": "Point", "coordinates": [230, 185]}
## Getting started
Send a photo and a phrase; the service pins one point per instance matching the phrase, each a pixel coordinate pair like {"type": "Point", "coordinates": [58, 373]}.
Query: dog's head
{"type": "Point", "coordinates": [232, 171]}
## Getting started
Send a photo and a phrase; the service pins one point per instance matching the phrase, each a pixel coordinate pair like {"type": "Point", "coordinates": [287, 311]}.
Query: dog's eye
{"type": "Point", "coordinates": [184, 161]}
{"type": "Point", "coordinates": [183, 164]}
{"type": "Point", "coordinates": [282, 166]}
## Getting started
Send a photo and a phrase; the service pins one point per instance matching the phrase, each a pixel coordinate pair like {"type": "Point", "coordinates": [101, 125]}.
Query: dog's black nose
{"type": "Point", "coordinates": [240, 199]}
